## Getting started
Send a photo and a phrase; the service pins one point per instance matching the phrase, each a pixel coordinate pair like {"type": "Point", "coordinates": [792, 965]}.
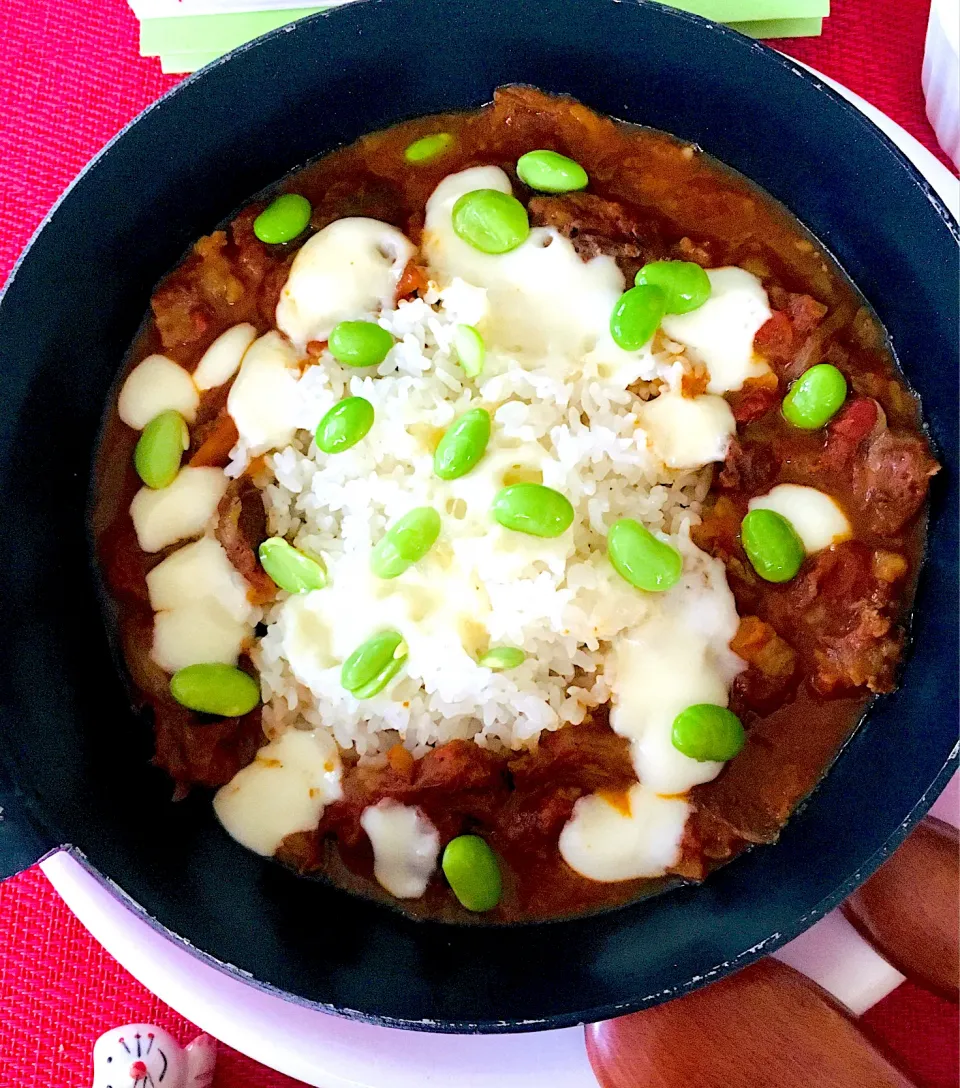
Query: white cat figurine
{"type": "Point", "coordinates": [141, 1056]}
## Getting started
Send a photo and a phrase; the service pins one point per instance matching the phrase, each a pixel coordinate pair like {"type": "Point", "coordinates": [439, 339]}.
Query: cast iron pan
{"type": "Point", "coordinates": [78, 759]}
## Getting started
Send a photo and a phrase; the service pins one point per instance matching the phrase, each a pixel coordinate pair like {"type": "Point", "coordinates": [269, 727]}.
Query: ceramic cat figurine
{"type": "Point", "coordinates": [142, 1056]}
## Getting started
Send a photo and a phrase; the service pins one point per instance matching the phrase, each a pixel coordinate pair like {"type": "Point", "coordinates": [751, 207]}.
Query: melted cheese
{"type": "Point", "coordinates": [157, 385]}
{"type": "Point", "coordinates": [202, 611]}
{"type": "Point", "coordinates": [687, 432]}
{"type": "Point", "coordinates": [405, 847]}
{"type": "Point", "coordinates": [543, 299]}
{"type": "Point", "coordinates": [284, 790]}
{"type": "Point", "coordinates": [195, 571]}
{"type": "Point", "coordinates": [639, 838]}
{"type": "Point", "coordinates": [433, 605]}
{"type": "Point", "coordinates": [720, 333]}
{"type": "Point", "coordinates": [222, 359]}
{"type": "Point", "coordinates": [816, 516]}
{"type": "Point", "coordinates": [348, 270]}
{"type": "Point", "coordinates": [179, 511]}
{"type": "Point", "coordinates": [678, 657]}
{"type": "Point", "coordinates": [197, 634]}
{"type": "Point", "coordinates": [263, 400]}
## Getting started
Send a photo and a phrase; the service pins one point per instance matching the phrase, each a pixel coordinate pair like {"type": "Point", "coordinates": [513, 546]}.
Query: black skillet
{"type": "Point", "coordinates": [77, 758]}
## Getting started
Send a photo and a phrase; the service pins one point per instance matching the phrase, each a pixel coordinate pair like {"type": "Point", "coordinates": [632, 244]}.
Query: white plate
{"type": "Point", "coordinates": [330, 1052]}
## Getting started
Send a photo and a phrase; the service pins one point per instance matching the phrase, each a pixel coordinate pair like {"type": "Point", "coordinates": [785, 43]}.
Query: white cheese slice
{"type": "Point", "coordinates": [687, 432]}
{"type": "Point", "coordinates": [284, 790]}
{"type": "Point", "coordinates": [222, 359]}
{"type": "Point", "coordinates": [157, 385]}
{"type": "Point", "coordinates": [542, 297]}
{"type": "Point", "coordinates": [720, 332]}
{"type": "Point", "coordinates": [197, 634]}
{"type": "Point", "coordinates": [405, 847]}
{"type": "Point", "coordinates": [680, 655]}
{"type": "Point", "coordinates": [179, 511]}
{"type": "Point", "coordinates": [817, 517]}
{"type": "Point", "coordinates": [608, 842]}
{"type": "Point", "coordinates": [347, 271]}
{"type": "Point", "coordinates": [263, 400]}
{"type": "Point", "coordinates": [196, 571]}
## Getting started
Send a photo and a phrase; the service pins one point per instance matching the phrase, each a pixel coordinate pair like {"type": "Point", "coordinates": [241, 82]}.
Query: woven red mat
{"type": "Point", "coordinates": [70, 77]}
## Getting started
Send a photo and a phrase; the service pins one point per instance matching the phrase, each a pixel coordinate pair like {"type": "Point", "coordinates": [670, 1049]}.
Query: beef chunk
{"type": "Point", "coordinates": [892, 475]}
{"type": "Point", "coordinates": [597, 226]}
{"type": "Point", "coordinates": [241, 529]}
{"type": "Point", "coordinates": [749, 467]}
{"type": "Point", "coordinates": [846, 610]}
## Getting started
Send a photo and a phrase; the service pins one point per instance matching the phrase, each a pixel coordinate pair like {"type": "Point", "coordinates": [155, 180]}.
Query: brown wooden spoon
{"type": "Point", "coordinates": [768, 1026]}
{"type": "Point", "coordinates": [909, 911]}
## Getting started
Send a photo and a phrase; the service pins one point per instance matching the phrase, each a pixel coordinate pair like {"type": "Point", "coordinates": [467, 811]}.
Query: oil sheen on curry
{"type": "Point", "coordinates": [509, 513]}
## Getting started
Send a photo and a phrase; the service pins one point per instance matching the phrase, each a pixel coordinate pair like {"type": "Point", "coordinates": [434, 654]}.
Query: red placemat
{"type": "Point", "coordinates": [70, 77]}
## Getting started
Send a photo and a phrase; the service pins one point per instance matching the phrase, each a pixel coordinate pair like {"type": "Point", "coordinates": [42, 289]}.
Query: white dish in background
{"type": "Point", "coordinates": [331, 1052]}
{"type": "Point", "coordinates": [941, 75]}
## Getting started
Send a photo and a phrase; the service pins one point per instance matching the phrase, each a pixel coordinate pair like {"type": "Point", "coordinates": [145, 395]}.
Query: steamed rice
{"type": "Point", "coordinates": [558, 600]}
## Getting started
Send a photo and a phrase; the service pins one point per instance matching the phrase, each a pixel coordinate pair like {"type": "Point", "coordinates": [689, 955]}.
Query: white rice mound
{"type": "Point", "coordinates": [559, 600]}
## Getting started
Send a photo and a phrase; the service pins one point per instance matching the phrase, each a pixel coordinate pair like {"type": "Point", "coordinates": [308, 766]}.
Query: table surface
{"type": "Point", "coordinates": [71, 77]}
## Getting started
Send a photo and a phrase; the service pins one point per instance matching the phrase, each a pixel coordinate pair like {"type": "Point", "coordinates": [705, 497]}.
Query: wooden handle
{"type": "Point", "coordinates": [769, 1025]}
{"type": "Point", "coordinates": [766, 1027]}
{"type": "Point", "coordinates": [908, 910]}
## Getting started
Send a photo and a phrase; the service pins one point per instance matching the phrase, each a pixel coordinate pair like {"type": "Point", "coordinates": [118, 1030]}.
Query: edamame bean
{"type": "Point", "coordinates": [636, 316]}
{"type": "Point", "coordinates": [290, 568]}
{"type": "Point", "coordinates": [160, 449]}
{"type": "Point", "coordinates": [472, 871]}
{"type": "Point", "coordinates": [462, 445]}
{"type": "Point", "coordinates": [534, 509]}
{"type": "Point", "coordinates": [344, 425]}
{"type": "Point", "coordinates": [642, 559]}
{"type": "Point", "coordinates": [405, 542]}
{"type": "Point", "coordinates": [815, 397]}
{"type": "Point", "coordinates": [373, 664]}
{"type": "Point", "coordinates": [359, 343]}
{"type": "Point", "coordinates": [215, 688]}
{"type": "Point", "coordinates": [428, 148]}
{"type": "Point", "coordinates": [685, 285]}
{"type": "Point", "coordinates": [502, 657]}
{"type": "Point", "coordinates": [707, 732]}
{"type": "Point", "coordinates": [283, 219]}
{"type": "Point", "coordinates": [772, 545]}
{"type": "Point", "coordinates": [470, 348]}
{"type": "Point", "coordinates": [550, 172]}
{"type": "Point", "coordinates": [490, 221]}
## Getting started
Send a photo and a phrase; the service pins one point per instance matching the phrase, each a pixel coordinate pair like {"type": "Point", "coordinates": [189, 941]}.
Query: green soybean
{"type": "Point", "coordinates": [344, 425]}
{"type": "Point", "coordinates": [636, 316]}
{"type": "Point", "coordinates": [290, 568]}
{"type": "Point", "coordinates": [772, 545]}
{"type": "Point", "coordinates": [502, 657]}
{"type": "Point", "coordinates": [707, 732]}
{"type": "Point", "coordinates": [359, 343]}
{"type": "Point", "coordinates": [642, 559]}
{"type": "Point", "coordinates": [490, 221]}
{"type": "Point", "coordinates": [470, 348]}
{"type": "Point", "coordinates": [815, 397]}
{"type": "Point", "coordinates": [550, 172]}
{"type": "Point", "coordinates": [373, 664]}
{"type": "Point", "coordinates": [534, 509]}
{"type": "Point", "coordinates": [160, 449]}
{"type": "Point", "coordinates": [428, 148]}
{"type": "Point", "coordinates": [684, 284]}
{"type": "Point", "coordinates": [405, 542]}
{"type": "Point", "coordinates": [214, 688]}
{"type": "Point", "coordinates": [283, 219]}
{"type": "Point", "coordinates": [462, 445]}
{"type": "Point", "coordinates": [472, 871]}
